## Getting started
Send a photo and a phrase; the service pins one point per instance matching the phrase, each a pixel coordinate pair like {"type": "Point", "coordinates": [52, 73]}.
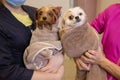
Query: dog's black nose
{"type": "Point", "coordinates": [77, 19]}
{"type": "Point", "coordinates": [44, 18]}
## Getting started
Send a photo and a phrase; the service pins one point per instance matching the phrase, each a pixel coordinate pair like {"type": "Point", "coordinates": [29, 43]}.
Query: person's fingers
{"type": "Point", "coordinates": [90, 54]}
{"type": "Point", "coordinates": [78, 64]}
{"type": "Point", "coordinates": [45, 68]}
{"type": "Point", "coordinates": [83, 65]}
{"type": "Point", "coordinates": [84, 59]}
{"type": "Point", "coordinates": [88, 58]}
{"type": "Point", "coordinates": [49, 71]}
{"type": "Point", "coordinates": [93, 52]}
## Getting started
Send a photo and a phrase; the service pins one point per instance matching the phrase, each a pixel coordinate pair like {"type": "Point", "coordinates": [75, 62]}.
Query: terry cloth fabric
{"type": "Point", "coordinates": [44, 35]}
{"type": "Point", "coordinates": [37, 54]}
{"type": "Point", "coordinates": [76, 42]}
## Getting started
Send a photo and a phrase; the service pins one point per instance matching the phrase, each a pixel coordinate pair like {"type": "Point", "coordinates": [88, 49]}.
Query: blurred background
{"type": "Point", "coordinates": [91, 7]}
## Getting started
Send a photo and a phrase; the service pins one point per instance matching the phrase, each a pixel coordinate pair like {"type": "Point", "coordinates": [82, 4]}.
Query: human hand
{"type": "Point", "coordinates": [54, 64]}
{"type": "Point", "coordinates": [81, 65]}
{"type": "Point", "coordinates": [94, 57]}
{"type": "Point", "coordinates": [60, 73]}
{"type": "Point", "coordinates": [38, 75]}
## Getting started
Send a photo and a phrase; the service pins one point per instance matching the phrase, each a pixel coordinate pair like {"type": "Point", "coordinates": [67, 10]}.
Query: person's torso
{"type": "Point", "coordinates": [16, 33]}
{"type": "Point", "coordinates": [111, 36]}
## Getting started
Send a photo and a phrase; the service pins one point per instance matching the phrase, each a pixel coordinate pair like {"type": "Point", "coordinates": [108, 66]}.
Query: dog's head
{"type": "Point", "coordinates": [74, 17]}
{"type": "Point", "coordinates": [47, 15]}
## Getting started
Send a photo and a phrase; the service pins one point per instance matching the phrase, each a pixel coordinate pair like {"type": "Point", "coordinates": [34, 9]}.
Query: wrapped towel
{"type": "Point", "coordinates": [37, 54]}
{"type": "Point", "coordinates": [76, 42]}
{"type": "Point", "coordinates": [43, 44]}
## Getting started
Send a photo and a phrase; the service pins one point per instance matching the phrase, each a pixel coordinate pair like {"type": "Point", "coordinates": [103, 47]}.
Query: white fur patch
{"type": "Point", "coordinates": [75, 12]}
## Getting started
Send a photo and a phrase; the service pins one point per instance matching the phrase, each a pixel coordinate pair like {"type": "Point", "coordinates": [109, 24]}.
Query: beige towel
{"type": "Point", "coordinates": [76, 42]}
{"type": "Point", "coordinates": [37, 54]}
{"type": "Point", "coordinates": [43, 44]}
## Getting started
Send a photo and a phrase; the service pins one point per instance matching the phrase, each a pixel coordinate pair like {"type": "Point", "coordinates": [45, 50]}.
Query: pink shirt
{"type": "Point", "coordinates": [108, 23]}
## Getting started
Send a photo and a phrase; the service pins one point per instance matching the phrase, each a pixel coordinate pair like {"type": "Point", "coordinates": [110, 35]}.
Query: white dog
{"type": "Point", "coordinates": [75, 17]}
{"type": "Point", "coordinates": [75, 21]}
{"type": "Point", "coordinates": [77, 37]}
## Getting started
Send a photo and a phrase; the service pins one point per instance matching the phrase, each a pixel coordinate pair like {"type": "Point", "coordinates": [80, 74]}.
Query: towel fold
{"type": "Point", "coordinates": [76, 42]}
{"type": "Point", "coordinates": [37, 54]}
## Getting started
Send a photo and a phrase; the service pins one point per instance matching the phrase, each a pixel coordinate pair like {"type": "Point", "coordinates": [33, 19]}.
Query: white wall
{"type": "Point", "coordinates": [39, 3]}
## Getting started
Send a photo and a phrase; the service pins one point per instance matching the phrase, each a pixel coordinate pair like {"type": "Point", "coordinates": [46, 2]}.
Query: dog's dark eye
{"type": "Point", "coordinates": [80, 14]}
{"type": "Point", "coordinates": [71, 17]}
{"type": "Point", "coordinates": [40, 13]}
{"type": "Point", "coordinates": [50, 14]}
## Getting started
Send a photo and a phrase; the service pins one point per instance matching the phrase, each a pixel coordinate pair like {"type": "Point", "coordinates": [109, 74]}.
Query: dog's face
{"type": "Point", "coordinates": [74, 17]}
{"type": "Point", "coordinates": [47, 15]}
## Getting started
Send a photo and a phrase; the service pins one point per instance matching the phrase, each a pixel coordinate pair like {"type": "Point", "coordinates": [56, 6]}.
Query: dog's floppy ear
{"type": "Point", "coordinates": [57, 10]}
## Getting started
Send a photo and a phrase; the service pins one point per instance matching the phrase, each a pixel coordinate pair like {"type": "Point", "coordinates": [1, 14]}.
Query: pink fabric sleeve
{"type": "Point", "coordinates": [100, 21]}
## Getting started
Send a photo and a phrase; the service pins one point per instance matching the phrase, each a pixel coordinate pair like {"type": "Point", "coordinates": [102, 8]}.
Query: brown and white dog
{"type": "Point", "coordinates": [77, 37]}
{"type": "Point", "coordinates": [47, 17]}
{"type": "Point", "coordinates": [45, 40]}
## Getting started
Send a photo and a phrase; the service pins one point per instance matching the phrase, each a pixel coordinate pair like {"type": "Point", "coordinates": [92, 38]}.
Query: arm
{"type": "Point", "coordinates": [97, 57]}
{"type": "Point", "coordinates": [10, 70]}
{"type": "Point", "coordinates": [111, 67]}
{"type": "Point", "coordinates": [55, 62]}
{"type": "Point", "coordinates": [48, 76]}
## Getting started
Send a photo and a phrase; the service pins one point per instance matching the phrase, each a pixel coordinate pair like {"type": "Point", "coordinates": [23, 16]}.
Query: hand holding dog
{"type": "Point", "coordinates": [90, 57]}
{"type": "Point", "coordinates": [82, 65]}
{"type": "Point", "coordinates": [93, 56]}
{"type": "Point", "coordinates": [55, 62]}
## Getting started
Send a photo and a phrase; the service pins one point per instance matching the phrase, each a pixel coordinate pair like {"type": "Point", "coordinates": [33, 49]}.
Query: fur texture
{"type": "Point", "coordinates": [47, 16]}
